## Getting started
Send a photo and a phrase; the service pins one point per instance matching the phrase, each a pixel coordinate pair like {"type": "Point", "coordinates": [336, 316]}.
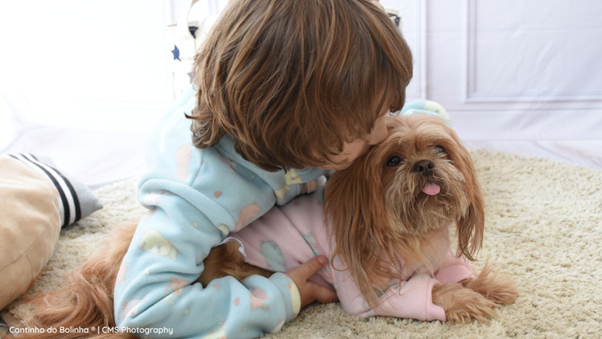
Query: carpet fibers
{"type": "Point", "coordinates": [543, 227]}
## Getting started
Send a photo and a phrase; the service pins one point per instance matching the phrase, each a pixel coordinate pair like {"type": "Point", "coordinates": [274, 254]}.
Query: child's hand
{"type": "Point", "coordinates": [308, 290]}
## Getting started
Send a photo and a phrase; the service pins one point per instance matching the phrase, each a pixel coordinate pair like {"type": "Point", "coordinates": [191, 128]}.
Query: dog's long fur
{"type": "Point", "coordinates": [378, 214]}
{"type": "Point", "coordinates": [385, 204]}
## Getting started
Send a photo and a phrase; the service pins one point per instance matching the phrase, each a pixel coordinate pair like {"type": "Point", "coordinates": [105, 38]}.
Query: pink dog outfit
{"type": "Point", "coordinates": [289, 235]}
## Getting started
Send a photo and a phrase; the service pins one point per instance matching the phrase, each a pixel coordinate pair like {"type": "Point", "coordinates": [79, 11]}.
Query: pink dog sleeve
{"type": "Point", "coordinates": [407, 299]}
{"type": "Point", "coordinates": [453, 269]}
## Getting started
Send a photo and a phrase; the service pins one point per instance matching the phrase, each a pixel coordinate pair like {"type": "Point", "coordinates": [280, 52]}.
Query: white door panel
{"type": "Point", "coordinates": [534, 51]}
{"type": "Point", "coordinates": [513, 69]}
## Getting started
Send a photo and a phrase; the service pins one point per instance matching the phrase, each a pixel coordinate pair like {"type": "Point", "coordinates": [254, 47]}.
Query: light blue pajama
{"type": "Point", "coordinates": [195, 198]}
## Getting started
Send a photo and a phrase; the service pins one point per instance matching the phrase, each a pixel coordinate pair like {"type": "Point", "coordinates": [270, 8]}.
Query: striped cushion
{"type": "Point", "coordinates": [76, 200]}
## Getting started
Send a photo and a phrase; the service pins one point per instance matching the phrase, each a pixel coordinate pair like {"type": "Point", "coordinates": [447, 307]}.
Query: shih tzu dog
{"type": "Point", "coordinates": [390, 215]}
{"type": "Point", "coordinates": [384, 222]}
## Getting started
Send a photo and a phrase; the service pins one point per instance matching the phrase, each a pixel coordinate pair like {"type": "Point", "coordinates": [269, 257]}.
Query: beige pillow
{"type": "Point", "coordinates": [29, 226]}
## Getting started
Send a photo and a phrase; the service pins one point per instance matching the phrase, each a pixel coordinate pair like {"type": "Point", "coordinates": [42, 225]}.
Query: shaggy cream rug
{"type": "Point", "coordinates": [543, 227]}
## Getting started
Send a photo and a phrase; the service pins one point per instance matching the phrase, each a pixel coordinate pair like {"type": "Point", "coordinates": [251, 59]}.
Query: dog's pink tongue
{"type": "Point", "coordinates": [431, 189]}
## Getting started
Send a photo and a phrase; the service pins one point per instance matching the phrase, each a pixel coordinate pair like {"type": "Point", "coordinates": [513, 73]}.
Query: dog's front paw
{"type": "Point", "coordinates": [462, 304]}
{"type": "Point", "coordinates": [497, 288]}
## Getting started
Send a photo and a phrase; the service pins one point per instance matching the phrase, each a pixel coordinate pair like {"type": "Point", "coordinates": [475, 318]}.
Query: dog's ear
{"type": "Point", "coordinates": [354, 205]}
{"type": "Point", "coordinates": [472, 223]}
{"type": "Point", "coordinates": [355, 210]}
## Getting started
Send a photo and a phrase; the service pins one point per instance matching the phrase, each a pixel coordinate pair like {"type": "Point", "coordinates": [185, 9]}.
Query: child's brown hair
{"type": "Point", "coordinates": [292, 80]}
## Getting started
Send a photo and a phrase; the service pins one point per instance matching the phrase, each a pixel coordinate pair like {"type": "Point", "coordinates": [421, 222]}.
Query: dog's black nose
{"type": "Point", "coordinates": [424, 167]}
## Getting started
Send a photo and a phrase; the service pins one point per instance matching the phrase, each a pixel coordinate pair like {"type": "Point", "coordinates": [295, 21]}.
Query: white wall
{"type": "Point", "coordinates": [506, 70]}
{"type": "Point", "coordinates": [512, 69]}
{"type": "Point", "coordinates": [88, 64]}
{"type": "Point", "coordinates": [84, 82]}
{"type": "Point", "coordinates": [98, 65]}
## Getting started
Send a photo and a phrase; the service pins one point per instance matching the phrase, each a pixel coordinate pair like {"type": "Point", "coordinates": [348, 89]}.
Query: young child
{"type": "Point", "coordinates": [285, 91]}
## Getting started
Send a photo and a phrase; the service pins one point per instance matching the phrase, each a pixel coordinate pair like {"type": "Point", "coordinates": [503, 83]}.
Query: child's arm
{"type": "Point", "coordinates": [195, 198]}
{"type": "Point", "coordinates": [166, 255]}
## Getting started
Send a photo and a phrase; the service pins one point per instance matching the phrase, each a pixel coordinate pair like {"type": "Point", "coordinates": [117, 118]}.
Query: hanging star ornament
{"type": "Point", "coordinates": [176, 53]}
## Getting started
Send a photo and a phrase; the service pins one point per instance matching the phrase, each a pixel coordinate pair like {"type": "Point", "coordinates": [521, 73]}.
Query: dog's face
{"type": "Point", "coordinates": [427, 180]}
{"type": "Point", "coordinates": [420, 179]}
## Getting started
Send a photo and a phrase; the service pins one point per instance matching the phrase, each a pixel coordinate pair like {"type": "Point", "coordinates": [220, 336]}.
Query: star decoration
{"type": "Point", "coordinates": [176, 53]}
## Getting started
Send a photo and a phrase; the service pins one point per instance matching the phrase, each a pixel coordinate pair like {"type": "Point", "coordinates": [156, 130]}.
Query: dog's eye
{"type": "Point", "coordinates": [439, 149]}
{"type": "Point", "coordinates": [394, 161]}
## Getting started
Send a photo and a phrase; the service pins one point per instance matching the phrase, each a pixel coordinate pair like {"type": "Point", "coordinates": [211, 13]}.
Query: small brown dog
{"type": "Point", "coordinates": [388, 217]}
{"type": "Point", "coordinates": [397, 199]}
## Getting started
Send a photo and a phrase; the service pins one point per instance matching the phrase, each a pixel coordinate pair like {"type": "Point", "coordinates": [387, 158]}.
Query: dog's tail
{"type": "Point", "coordinates": [86, 303]}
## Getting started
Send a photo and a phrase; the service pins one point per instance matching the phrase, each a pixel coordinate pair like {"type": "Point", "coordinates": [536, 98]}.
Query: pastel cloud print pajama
{"type": "Point", "coordinates": [195, 198]}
